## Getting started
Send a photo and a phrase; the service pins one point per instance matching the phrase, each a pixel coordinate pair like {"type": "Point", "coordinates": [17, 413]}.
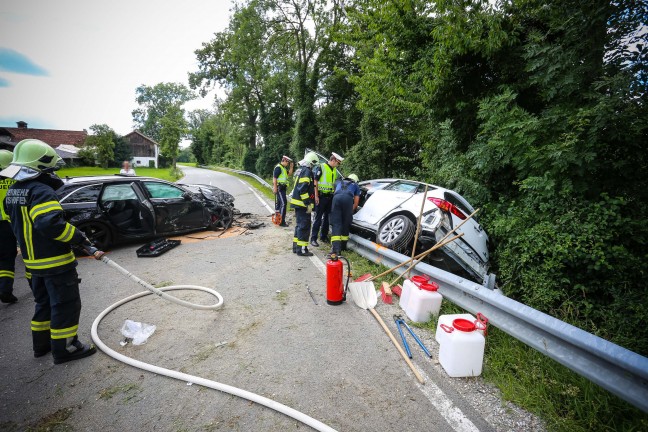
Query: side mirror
{"type": "Point", "coordinates": [186, 196]}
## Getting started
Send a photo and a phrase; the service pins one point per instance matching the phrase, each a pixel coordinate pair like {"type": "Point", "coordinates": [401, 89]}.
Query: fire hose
{"type": "Point", "coordinates": [161, 292]}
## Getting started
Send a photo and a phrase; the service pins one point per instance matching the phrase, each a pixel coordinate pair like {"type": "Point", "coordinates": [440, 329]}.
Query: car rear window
{"type": "Point", "coordinates": [163, 190]}
{"type": "Point", "coordinates": [84, 194]}
{"type": "Point", "coordinates": [402, 187]}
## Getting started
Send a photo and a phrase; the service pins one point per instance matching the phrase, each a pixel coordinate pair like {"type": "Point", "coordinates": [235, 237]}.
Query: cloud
{"type": "Point", "coordinates": [13, 61]}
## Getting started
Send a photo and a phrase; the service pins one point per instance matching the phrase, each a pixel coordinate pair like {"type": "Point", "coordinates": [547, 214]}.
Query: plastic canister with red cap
{"type": "Point", "coordinates": [461, 352]}
{"type": "Point", "coordinates": [424, 300]}
{"type": "Point", "coordinates": [408, 285]}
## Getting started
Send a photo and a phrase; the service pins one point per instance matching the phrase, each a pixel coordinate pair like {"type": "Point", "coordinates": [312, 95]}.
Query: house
{"type": "Point", "coordinates": [10, 136]}
{"type": "Point", "coordinates": [145, 151]}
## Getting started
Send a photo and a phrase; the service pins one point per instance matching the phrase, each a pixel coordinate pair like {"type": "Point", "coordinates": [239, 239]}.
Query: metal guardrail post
{"type": "Point", "coordinates": [611, 366]}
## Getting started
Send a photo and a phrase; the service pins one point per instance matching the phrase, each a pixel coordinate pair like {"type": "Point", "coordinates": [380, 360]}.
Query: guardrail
{"type": "Point", "coordinates": [249, 174]}
{"type": "Point", "coordinates": [611, 366]}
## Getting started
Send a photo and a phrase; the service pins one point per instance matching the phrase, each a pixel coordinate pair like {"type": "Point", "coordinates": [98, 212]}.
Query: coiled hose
{"type": "Point", "coordinates": [161, 292]}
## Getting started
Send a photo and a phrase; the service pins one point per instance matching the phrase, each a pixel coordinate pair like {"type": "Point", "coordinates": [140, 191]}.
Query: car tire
{"type": "Point", "coordinates": [222, 218]}
{"type": "Point", "coordinates": [98, 233]}
{"type": "Point", "coordinates": [396, 233]}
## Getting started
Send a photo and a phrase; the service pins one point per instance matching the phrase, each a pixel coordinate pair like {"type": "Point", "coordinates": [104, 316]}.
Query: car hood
{"type": "Point", "coordinates": [211, 193]}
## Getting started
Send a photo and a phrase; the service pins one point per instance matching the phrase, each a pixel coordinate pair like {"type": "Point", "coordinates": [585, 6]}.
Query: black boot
{"type": "Point", "coordinates": [41, 343]}
{"type": "Point", "coordinates": [64, 350]}
{"type": "Point", "coordinates": [294, 248]}
{"type": "Point", "coordinates": [303, 251]}
{"type": "Point", "coordinates": [8, 298]}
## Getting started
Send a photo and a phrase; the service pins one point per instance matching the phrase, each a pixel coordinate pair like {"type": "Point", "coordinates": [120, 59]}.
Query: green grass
{"type": "Point", "coordinates": [161, 173]}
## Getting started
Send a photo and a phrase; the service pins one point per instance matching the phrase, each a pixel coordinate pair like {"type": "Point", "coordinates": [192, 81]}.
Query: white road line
{"type": "Point", "coordinates": [319, 264]}
{"type": "Point", "coordinates": [270, 210]}
{"type": "Point", "coordinates": [450, 412]}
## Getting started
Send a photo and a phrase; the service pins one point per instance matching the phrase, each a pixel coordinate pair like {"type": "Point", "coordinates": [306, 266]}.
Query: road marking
{"type": "Point", "coordinates": [271, 211]}
{"type": "Point", "coordinates": [448, 410]}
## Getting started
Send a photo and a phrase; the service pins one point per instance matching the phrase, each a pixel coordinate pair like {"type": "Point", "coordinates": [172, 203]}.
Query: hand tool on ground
{"type": "Point", "coordinates": [311, 294]}
{"type": "Point", "coordinates": [364, 296]}
{"type": "Point", "coordinates": [398, 319]}
{"type": "Point", "coordinates": [439, 244]}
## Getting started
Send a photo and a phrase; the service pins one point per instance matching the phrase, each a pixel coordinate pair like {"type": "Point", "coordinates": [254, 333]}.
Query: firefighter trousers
{"type": "Point", "coordinates": [57, 311]}
{"type": "Point", "coordinates": [341, 217]}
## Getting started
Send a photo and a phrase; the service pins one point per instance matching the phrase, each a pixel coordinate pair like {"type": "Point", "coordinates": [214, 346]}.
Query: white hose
{"type": "Point", "coordinates": [315, 424]}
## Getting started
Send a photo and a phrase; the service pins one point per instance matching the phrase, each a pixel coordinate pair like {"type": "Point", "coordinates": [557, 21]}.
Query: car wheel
{"type": "Point", "coordinates": [396, 233]}
{"type": "Point", "coordinates": [98, 233]}
{"type": "Point", "coordinates": [222, 218]}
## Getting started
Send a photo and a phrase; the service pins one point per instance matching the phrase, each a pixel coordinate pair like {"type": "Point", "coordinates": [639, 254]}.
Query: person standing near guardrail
{"type": "Point", "coordinates": [345, 202]}
{"type": "Point", "coordinates": [280, 178]}
{"type": "Point", "coordinates": [325, 177]}
{"type": "Point", "coordinates": [302, 198]}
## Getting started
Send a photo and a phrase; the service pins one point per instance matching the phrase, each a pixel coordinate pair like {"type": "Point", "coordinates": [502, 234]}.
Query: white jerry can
{"type": "Point", "coordinates": [461, 352]}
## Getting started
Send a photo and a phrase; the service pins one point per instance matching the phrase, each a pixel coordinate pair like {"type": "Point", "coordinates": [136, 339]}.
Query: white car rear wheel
{"type": "Point", "coordinates": [396, 233]}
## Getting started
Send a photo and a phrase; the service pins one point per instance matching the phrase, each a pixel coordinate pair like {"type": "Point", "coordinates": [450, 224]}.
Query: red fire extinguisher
{"type": "Point", "coordinates": [334, 281]}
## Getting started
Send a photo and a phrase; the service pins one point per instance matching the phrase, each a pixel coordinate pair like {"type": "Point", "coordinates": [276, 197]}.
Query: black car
{"type": "Point", "coordinates": [118, 209]}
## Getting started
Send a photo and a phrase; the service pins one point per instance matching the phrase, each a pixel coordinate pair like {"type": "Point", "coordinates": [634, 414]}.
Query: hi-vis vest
{"type": "Point", "coordinates": [327, 179]}
{"type": "Point", "coordinates": [283, 178]}
{"type": "Point", "coordinates": [4, 185]}
{"type": "Point", "coordinates": [38, 222]}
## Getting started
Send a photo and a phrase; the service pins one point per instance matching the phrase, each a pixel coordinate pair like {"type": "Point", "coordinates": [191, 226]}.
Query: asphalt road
{"type": "Point", "coordinates": [333, 363]}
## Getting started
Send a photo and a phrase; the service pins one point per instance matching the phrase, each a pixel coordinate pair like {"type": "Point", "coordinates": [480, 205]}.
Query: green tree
{"type": "Point", "coordinates": [122, 152]}
{"type": "Point", "coordinates": [173, 128]}
{"type": "Point", "coordinates": [155, 102]}
{"type": "Point", "coordinates": [101, 144]}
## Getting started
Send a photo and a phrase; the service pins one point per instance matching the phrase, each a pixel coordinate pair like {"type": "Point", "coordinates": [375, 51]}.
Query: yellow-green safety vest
{"type": "Point", "coordinates": [327, 179]}
{"type": "Point", "coordinates": [4, 185]}
{"type": "Point", "coordinates": [283, 178]}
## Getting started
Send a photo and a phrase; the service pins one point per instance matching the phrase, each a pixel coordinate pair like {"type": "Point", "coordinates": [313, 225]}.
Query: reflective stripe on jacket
{"type": "Point", "coordinates": [327, 179]}
{"type": "Point", "coordinates": [38, 222]}
{"type": "Point", "coordinates": [304, 188]}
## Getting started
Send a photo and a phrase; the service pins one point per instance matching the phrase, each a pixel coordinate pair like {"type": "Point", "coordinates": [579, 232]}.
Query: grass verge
{"type": "Point", "coordinates": [161, 173]}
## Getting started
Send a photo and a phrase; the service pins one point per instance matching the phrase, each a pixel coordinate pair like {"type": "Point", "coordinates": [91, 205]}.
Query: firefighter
{"type": "Point", "coordinates": [345, 202]}
{"type": "Point", "coordinates": [8, 250]}
{"type": "Point", "coordinates": [46, 241]}
{"type": "Point", "coordinates": [325, 177]}
{"type": "Point", "coordinates": [301, 201]}
{"type": "Point", "coordinates": [280, 177]}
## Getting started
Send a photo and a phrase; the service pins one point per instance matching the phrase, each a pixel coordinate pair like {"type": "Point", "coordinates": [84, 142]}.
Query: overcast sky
{"type": "Point", "coordinates": [69, 64]}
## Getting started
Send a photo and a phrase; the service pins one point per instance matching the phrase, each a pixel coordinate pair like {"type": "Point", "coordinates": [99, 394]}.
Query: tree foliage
{"type": "Point", "coordinates": [173, 128]}
{"type": "Point", "coordinates": [155, 102]}
{"type": "Point", "coordinates": [101, 145]}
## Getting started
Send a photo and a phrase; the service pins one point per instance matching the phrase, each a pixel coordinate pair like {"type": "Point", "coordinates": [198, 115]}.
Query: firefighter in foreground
{"type": "Point", "coordinates": [302, 198]}
{"type": "Point", "coordinates": [280, 177]}
{"type": "Point", "coordinates": [7, 240]}
{"type": "Point", "coordinates": [345, 202]}
{"type": "Point", "coordinates": [46, 242]}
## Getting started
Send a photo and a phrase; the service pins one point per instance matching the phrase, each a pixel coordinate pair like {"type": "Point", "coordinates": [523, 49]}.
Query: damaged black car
{"type": "Point", "coordinates": [118, 209]}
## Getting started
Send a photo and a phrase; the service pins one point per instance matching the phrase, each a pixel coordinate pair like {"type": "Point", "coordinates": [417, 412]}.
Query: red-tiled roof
{"type": "Point", "coordinates": [50, 136]}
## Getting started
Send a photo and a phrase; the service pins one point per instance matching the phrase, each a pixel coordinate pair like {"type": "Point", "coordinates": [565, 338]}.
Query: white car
{"type": "Point", "coordinates": [388, 214]}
